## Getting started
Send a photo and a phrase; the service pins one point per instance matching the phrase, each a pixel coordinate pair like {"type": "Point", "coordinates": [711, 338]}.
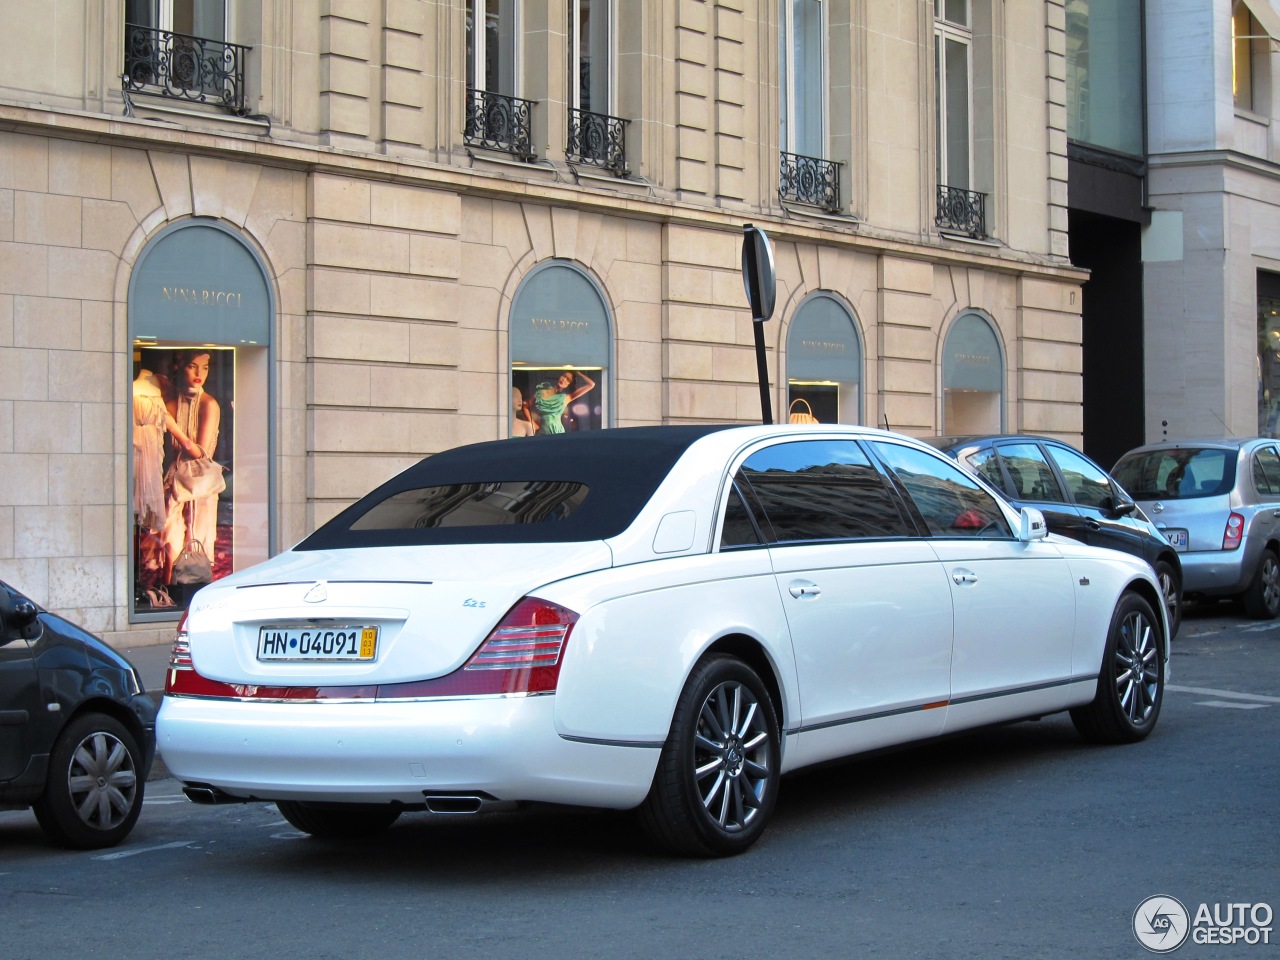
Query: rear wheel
{"type": "Point", "coordinates": [1262, 599]}
{"type": "Point", "coordinates": [717, 778]}
{"type": "Point", "coordinates": [1171, 588]}
{"type": "Point", "coordinates": [338, 821]}
{"type": "Point", "coordinates": [1131, 683]}
{"type": "Point", "coordinates": [93, 793]}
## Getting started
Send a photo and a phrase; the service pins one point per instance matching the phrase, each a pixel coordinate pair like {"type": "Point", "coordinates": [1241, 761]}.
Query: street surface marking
{"type": "Point", "coordinates": [1232, 705]}
{"type": "Point", "coordinates": [1228, 694]}
{"type": "Point", "coordinates": [159, 800]}
{"type": "Point", "coordinates": [121, 854]}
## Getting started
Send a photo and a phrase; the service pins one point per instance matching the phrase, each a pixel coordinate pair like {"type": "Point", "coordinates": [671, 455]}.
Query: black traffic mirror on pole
{"type": "Point", "coordinates": [759, 277]}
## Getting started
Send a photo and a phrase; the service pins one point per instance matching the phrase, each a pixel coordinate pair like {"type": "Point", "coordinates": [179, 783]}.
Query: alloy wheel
{"type": "Point", "coordinates": [732, 756]}
{"type": "Point", "coordinates": [1137, 667]}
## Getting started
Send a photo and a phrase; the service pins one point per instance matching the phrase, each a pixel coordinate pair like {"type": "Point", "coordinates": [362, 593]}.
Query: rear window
{"type": "Point", "coordinates": [1180, 474]}
{"type": "Point", "coordinates": [562, 488]}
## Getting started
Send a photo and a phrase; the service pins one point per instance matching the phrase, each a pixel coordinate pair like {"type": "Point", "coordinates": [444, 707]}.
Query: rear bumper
{"type": "Point", "coordinates": [397, 751]}
{"type": "Point", "coordinates": [1217, 573]}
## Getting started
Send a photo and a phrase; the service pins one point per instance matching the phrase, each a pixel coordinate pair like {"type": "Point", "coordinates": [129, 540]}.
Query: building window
{"type": "Point", "coordinates": [1250, 58]}
{"type": "Point", "coordinates": [824, 363]}
{"type": "Point", "coordinates": [953, 44]}
{"type": "Point", "coordinates": [200, 320]}
{"type": "Point", "coordinates": [178, 49]}
{"type": "Point", "coordinates": [595, 136]}
{"type": "Point", "coordinates": [496, 118]}
{"type": "Point", "coordinates": [1104, 75]}
{"type": "Point", "coordinates": [561, 344]}
{"type": "Point", "coordinates": [1268, 354]}
{"type": "Point", "coordinates": [972, 378]}
{"type": "Point", "coordinates": [805, 175]}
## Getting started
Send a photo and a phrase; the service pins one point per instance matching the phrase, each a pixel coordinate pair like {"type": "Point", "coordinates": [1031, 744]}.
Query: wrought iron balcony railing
{"type": "Point", "coordinates": [181, 67]}
{"type": "Point", "coordinates": [498, 122]}
{"type": "Point", "coordinates": [598, 139]}
{"type": "Point", "coordinates": [962, 211]}
{"type": "Point", "coordinates": [809, 180]}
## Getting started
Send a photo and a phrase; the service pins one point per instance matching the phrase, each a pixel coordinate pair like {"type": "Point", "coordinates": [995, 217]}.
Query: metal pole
{"type": "Point", "coordinates": [762, 374]}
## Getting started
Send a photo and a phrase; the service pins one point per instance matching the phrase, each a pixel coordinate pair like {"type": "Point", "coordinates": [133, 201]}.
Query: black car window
{"type": "Point", "coordinates": [822, 490]}
{"type": "Point", "coordinates": [951, 502]}
{"type": "Point", "coordinates": [1030, 473]}
{"type": "Point", "coordinates": [739, 530]}
{"type": "Point", "coordinates": [1089, 486]}
{"type": "Point", "coordinates": [1266, 471]}
{"type": "Point", "coordinates": [987, 465]}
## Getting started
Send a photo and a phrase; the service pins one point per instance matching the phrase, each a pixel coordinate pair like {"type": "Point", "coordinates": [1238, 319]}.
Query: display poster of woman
{"type": "Point", "coordinates": [559, 401]}
{"type": "Point", "coordinates": [177, 418]}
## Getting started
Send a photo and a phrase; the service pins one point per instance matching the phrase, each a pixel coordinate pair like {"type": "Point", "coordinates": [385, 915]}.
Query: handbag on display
{"type": "Point", "coordinates": [192, 565]}
{"type": "Point", "coordinates": [194, 479]}
{"type": "Point", "coordinates": [795, 415]}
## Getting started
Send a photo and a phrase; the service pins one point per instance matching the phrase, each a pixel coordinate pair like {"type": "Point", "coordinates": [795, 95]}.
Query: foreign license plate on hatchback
{"type": "Point", "coordinates": [1177, 538]}
{"type": "Point", "coordinates": [318, 642]}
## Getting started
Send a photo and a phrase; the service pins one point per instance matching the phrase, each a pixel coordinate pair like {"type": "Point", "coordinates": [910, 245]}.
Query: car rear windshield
{"type": "Point", "coordinates": [554, 489]}
{"type": "Point", "coordinates": [1183, 473]}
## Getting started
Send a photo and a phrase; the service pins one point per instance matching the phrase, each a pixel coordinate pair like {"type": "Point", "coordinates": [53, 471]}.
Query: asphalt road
{"type": "Point", "coordinates": [1016, 842]}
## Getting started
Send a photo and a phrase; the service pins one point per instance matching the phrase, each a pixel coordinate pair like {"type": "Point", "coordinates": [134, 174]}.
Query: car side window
{"type": "Point", "coordinates": [987, 466]}
{"type": "Point", "coordinates": [739, 529]}
{"type": "Point", "coordinates": [951, 502]}
{"type": "Point", "coordinates": [1266, 471]}
{"type": "Point", "coordinates": [1089, 486]}
{"type": "Point", "coordinates": [816, 490]}
{"type": "Point", "coordinates": [1030, 472]}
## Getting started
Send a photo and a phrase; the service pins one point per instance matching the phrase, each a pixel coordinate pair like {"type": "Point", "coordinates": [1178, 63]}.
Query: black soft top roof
{"type": "Point", "coordinates": [621, 469]}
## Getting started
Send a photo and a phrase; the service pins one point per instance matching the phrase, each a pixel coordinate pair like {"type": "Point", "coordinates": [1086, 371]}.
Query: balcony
{"type": "Point", "coordinates": [180, 67]}
{"type": "Point", "coordinates": [598, 139]}
{"type": "Point", "coordinates": [498, 122]}
{"type": "Point", "coordinates": [809, 180]}
{"type": "Point", "coordinates": [961, 211]}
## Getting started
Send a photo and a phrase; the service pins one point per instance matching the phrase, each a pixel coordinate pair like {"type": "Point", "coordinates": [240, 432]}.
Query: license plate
{"type": "Point", "coordinates": [1177, 538]}
{"type": "Point", "coordinates": [315, 643]}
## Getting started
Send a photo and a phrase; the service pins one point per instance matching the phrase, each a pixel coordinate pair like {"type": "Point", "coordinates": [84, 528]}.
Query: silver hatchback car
{"type": "Point", "coordinates": [1218, 502]}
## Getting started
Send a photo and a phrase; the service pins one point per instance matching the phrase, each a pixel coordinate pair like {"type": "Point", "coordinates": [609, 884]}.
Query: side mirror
{"type": "Point", "coordinates": [1031, 525]}
{"type": "Point", "coordinates": [1123, 508]}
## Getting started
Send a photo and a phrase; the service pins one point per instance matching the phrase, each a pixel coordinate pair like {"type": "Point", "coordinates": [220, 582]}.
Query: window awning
{"type": "Point", "coordinates": [1267, 16]}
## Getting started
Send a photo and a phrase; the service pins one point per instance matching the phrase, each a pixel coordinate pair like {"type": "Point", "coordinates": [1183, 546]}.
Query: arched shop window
{"type": "Point", "coordinates": [972, 378]}
{"type": "Point", "coordinates": [824, 362]}
{"type": "Point", "coordinates": [561, 341]}
{"type": "Point", "coordinates": [200, 320]}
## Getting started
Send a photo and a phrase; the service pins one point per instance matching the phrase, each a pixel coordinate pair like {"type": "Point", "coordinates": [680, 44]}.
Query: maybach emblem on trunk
{"type": "Point", "coordinates": [318, 593]}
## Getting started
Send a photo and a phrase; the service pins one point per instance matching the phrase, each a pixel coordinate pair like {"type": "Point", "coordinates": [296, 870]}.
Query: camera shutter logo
{"type": "Point", "coordinates": [1161, 924]}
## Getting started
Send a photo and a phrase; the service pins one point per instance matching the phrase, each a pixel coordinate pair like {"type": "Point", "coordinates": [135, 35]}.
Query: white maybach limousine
{"type": "Point", "coordinates": [661, 618]}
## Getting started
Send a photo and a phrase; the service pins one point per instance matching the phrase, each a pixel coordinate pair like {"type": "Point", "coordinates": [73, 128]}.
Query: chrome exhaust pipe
{"type": "Point", "coordinates": [208, 796]}
{"type": "Point", "coordinates": [453, 804]}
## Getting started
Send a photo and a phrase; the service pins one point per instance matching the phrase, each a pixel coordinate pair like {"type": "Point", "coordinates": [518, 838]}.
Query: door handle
{"type": "Point", "coordinates": [1093, 524]}
{"type": "Point", "coordinates": [803, 588]}
{"type": "Point", "coordinates": [964, 576]}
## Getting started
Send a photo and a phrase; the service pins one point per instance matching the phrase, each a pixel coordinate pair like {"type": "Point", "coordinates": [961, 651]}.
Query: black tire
{"type": "Point", "coordinates": [339, 821]}
{"type": "Point", "coordinates": [1262, 599]}
{"type": "Point", "coordinates": [1171, 587]}
{"type": "Point", "coordinates": [718, 775]}
{"type": "Point", "coordinates": [1131, 682]}
{"type": "Point", "coordinates": [93, 793]}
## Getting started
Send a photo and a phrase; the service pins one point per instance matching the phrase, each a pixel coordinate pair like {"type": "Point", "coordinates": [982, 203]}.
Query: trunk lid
{"type": "Point", "coordinates": [289, 621]}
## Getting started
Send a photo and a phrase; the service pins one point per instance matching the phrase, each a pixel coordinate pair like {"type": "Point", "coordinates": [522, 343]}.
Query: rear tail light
{"type": "Point", "coordinates": [522, 654]}
{"type": "Point", "coordinates": [180, 652]}
{"type": "Point", "coordinates": [181, 677]}
{"type": "Point", "coordinates": [1234, 533]}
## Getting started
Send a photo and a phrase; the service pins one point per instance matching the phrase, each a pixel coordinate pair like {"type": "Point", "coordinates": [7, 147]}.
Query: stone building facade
{"type": "Point", "coordinates": [390, 220]}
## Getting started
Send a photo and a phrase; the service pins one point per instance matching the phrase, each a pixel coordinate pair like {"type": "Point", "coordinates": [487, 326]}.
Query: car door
{"type": "Point", "coordinates": [865, 598]}
{"type": "Point", "coordinates": [19, 689]}
{"type": "Point", "coordinates": [1013, 600]}
{"type": "Point", "coordinates": [1035, 484]}
{"type": "Point", "coordinates": [1097, 500]}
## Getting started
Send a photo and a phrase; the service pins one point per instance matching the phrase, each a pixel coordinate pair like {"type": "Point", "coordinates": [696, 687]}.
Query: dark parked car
{"type": "Point", "coordinates": [1077, 497]}
{"type": "Point", "coordinates": [77, 729]}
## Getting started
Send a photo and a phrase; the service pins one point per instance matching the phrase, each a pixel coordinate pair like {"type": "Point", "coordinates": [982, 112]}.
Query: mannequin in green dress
{"type": "Point", "coordinates": [550, 400]}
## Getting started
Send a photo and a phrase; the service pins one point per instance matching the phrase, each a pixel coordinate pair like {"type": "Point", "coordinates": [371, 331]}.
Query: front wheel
{"type": "Point", "coordinates": [93, 793]}
{"type": "Point", "coordinates": [1262, 599]}
{"type": "Point", "coordinates": [338, 821]}
{"type": "Point", "coordinates": [717, 778]}
{"type": "Point", "coordinates": [1131, 683]}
